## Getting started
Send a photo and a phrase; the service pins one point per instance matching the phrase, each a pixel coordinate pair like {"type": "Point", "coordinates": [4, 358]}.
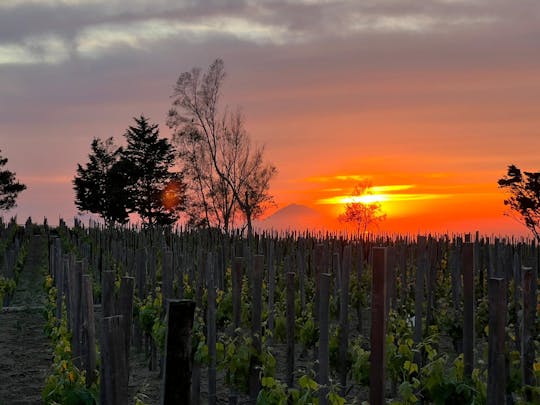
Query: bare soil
{"type": "Point", "coordinates": [25, 351]}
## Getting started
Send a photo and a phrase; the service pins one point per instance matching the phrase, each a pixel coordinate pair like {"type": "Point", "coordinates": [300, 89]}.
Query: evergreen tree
{"type": "Point", "coordinates": [155, 193]}
{"type": "Point", "coordinates": [99, 187]}
{"type": "Point", "coordinates": [9, 186]}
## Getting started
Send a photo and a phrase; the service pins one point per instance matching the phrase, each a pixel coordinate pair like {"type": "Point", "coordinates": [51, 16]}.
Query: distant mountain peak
{"type": "Point", "coordinates": [294, 217]}
{"type": "Point", "coordinates": [294, 208]}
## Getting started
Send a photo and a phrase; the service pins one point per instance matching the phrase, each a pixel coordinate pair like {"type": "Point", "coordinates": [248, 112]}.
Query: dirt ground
{"type": "Point", "coordinates": [25, 351]}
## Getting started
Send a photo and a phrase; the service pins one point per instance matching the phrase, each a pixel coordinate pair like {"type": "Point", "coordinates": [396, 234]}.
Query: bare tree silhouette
{"type": "Point", "coordinates": [226, 174]}
{"type": "Point", "coordinates": [361, 212]}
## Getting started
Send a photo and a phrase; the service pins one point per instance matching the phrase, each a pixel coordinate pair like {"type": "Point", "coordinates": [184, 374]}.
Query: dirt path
{"type": "Point", "coordinates": [25, 352]}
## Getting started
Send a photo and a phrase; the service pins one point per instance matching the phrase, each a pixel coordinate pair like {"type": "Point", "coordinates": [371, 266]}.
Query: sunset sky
{"type": "Point", "coordinates": [429, 100]}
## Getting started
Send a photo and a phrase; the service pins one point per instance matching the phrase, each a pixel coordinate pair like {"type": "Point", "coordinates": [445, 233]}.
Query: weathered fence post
{"type": "Point", "coordinates": [421, 264]}
{"type": "Point", "coordinates": [271, 288]}
{"type": "Point", "coordinates": [176, 388]}
{"type": "Point", "coordinates": [59, 276]}
{"type": "Point", "coordinates": [75, 282]}
{"type": "Point", "coordinates": [390, 279]}
{"type": "Point", "coordinates": [125, 308]}
{"type": "Point", "coordinates": [108, 304]}
{"type": "Point", "coordinates": [518, 298]}
{"type": "Point", "coordinates": [237, 290]}
{"type": "Point", "coordinates": [496, 358]}
{"type": "Point", "coordinates": [324, 295]}
{"type": "Point", "coordinates": [256, 326]}
{"type": "Point", "coordinates": [359, 272]}
{"type": "Point", "coordinates": [468, 308]}
{"type": "Point", "coordinates": [114, 377]}
{"type": "Point", "coordinates": [290, 329]}
{"type": "Point", "coordinates": [167, 276]}
{"type": "Point", "coordinates": [378, 327]}
{"type": "Point", "coordinates": [88, 333]}
{"type": "Point", "coordinates": [344, 317]}
{"type": "Point", "coordinates": [236, 275]}
{"type": "Point", "coordinates": [211, 327]}
{"type": "Point", "coordinates": [319, 265]}
{"type": "Point", "coordinates": [301, 269]}
{"type": "Point", "coordinates": [527, 335]}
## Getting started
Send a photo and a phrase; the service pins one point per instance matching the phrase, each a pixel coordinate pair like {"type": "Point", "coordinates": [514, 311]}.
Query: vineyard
{"type": "Point", "coordinates": [128, 315]}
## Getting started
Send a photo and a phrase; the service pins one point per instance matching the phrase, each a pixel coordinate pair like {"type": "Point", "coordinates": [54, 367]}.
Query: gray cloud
{"type": "Point", "coordinates": [54, 31]}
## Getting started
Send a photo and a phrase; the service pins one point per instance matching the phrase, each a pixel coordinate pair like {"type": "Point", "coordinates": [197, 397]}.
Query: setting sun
{"type": "Point", "coordinates": [364, 199]}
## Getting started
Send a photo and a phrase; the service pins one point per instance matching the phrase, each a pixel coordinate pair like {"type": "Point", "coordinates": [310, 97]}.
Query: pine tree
{"type": "Point", "coordinates": [99, 187]}
{"type": "Point", "coordinates": [9, 186]}
{"type": "Point", "coordinates": [155, 193]}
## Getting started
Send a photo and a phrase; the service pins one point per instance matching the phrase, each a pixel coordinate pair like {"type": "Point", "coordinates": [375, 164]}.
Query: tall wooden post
{"type": "Point", "coordinates": [421, 264]}
{"type": "Point", "coordinates": [468, 308]}
{"type": "Point", "coordinates": [88, 334]}
{"type": "Point", "coordinates": [301, 269]}
{"type": "Point", "coordinates": [290, 329]}
{"type": "Point", "coordinates": [75, 282]}
{"type": "Point", "coordinates": [211, 328]}
{"type": "Point", "coordinates": [114, 377]}
{"type": "Point", "coordinates": [378, 327]}
{"type": "Point", "coordinates": [344, 317]}
{"type": "Point", "coordinates": [125, 308]}
{"type": "Point", "coordinates": [390, 279]}
{"type": "Point", "coordinates": [237, 290]}
{"type": "Point", "coordinates": [256, 326]}
{"type": "Point", "coordinates": [496, 358]}
{"type": "Point", "coordinates": [271, 286]}
{"type": "Point", "coordinates": [167, 275]}
{"type": "Point", "coordinates": [108, 304]}
{"type": "Point", "coordinates": [527, 335]}
{"type": "Point", "coordinates": [176, 388]}
{"type": "Point", "coordinates": [323, 337]}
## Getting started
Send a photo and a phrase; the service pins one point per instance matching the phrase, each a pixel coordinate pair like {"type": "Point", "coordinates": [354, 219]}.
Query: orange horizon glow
{"type": "Point", "coordinates": [421, 202]}
{"type": "Point", "coordinates": [415, 100]}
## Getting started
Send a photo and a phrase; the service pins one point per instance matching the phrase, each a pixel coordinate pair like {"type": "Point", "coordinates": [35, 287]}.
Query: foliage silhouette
{"type": "Point", "coordinates": [154, 192]}
{"type": "Point", "coordinates": [135, 179]}
{"type": "Point", "coordinates": [9, 186]}
{"type": "Point", "coordinates": [524, 197]}
{"type": "Point", "coordinates": [99, 186]}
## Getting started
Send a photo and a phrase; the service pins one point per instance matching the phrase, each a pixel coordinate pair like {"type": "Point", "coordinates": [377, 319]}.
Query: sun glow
{"type": "Point", "coordinates": [172, 195]}
{"type": "Point", "coordinates": [372, 198]}
{"type": "Point", "coordinates": [347, 199]}
{"type": "Point", "coordinates": [395, 200]}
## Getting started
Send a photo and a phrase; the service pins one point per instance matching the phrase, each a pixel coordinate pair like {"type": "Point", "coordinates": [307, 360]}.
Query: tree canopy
{"type": "Point", "coordinates": [153, 191]}
{"type": "Point", "coordinates": [135, 179]}
{"type": "Point", "coordinates": [10, 187]}
{"type": "Point", "coordinates": [99, 186]}
{"type": "Point", "coordinates": [524, 197]}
